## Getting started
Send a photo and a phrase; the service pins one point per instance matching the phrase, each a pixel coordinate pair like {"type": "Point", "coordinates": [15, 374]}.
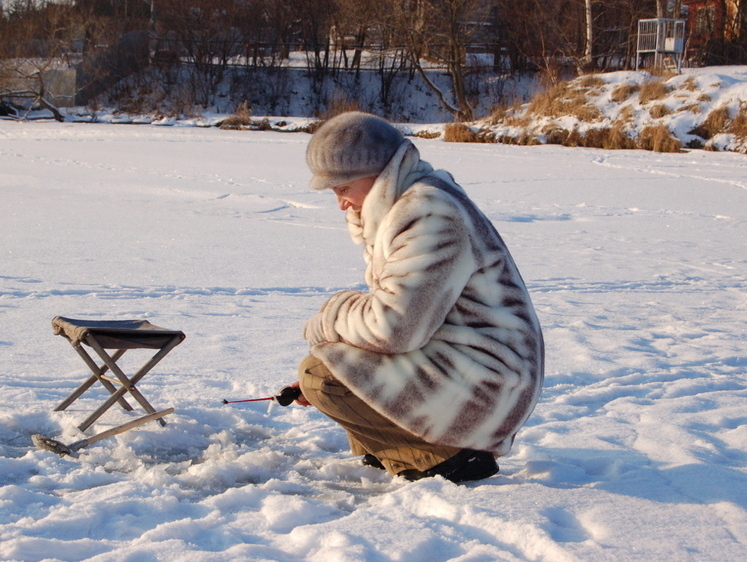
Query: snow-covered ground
{"type": "Point", "coordinates": [636, 262]}
{"type": "Point", "coordinates": [709, 101]}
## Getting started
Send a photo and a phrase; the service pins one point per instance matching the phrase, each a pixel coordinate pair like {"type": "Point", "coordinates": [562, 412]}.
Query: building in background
{"type": "Point", "coordinates": [716, 31]}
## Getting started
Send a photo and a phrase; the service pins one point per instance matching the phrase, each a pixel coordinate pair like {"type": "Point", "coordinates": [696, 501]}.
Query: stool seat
{"type": "Point", "coordinates": [121, 336]}
{"type": "Point", "coordinates": [115, 334]}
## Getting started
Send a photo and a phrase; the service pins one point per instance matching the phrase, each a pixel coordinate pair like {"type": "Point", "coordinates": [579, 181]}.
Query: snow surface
{"type": "Point", "coordinates": [636, 263]}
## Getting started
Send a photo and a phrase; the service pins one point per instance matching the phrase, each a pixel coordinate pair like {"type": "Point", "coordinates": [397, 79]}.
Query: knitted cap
{"type": "Point", "coordinates": [349, 147]}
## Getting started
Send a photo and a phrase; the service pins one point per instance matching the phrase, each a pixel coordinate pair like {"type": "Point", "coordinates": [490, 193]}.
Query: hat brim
{"type": "Point", "coordinates": [320, 182]}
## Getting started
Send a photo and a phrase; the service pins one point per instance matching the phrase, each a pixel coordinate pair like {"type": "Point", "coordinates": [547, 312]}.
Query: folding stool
{"type": "Point", "coordinates": [118, 335]}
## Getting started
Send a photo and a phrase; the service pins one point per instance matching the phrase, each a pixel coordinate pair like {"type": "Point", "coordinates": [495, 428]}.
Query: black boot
{"type": "Point", "coordinates": [466, 465]}
{"type": "Point", "coordinates": [370, 460]}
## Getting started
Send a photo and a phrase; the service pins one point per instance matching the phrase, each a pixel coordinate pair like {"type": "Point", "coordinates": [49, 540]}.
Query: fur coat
{"type": "Point", "coordinates": [445, 342]}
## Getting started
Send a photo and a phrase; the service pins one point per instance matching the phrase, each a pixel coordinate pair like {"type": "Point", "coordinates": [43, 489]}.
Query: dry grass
{"type": "Point", "coordinates": [499, 115]}
{"type": "Point", "coordinates": [459, 132]}
{"type": "Point", "coordinates": [627, 114]}
{"type": "Point", "coordinates": [690, 85]}
{"type": "Point", "coordinates": [738, 127]}
{"type": "Point", "coordinates": [661, 72]}
{"type": "Point", "coordinates": [555, 135]}
{"type": "Point", "coordinates": [574, 99]}
{"type": "Point", "coordinates": [624, 92]}
{"type": "Point", "coordinates": [658, 111]}
{"type": "Point", "coordinates": [562, 100]}
{"type": "Point", "coordinates": [616, 138]}
{"type": "Point", "coordinates": [426, 135]}
{"type": "Point", "coordinates": [520, 122]}
{"type": "Point", "coordinates": [545, 102]}
{"type": "Point", "coordinates": [588, 113]}
{"type": "Point", "coordinates": [653, 90]}
{"type": "Point", "coordinates": [590, 81]}
{"type": "Point", "coordinates": [611, 138]}
{"type": "Point", "coordinates": [526, 139]}
{"type": "Point", "coordinates": [693, 108]}
{"type": "Point", "coordinates": [714, 123]}
{"type": "Point", "coordinates": [659, 139]}
{"type": "Point", "coordinates": [340, 104]}
{"type": "Point", "coordinates": [240, 120]}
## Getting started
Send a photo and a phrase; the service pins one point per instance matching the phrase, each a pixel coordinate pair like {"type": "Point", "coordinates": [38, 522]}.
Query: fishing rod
{"type": "Point", "coordinates": [285, 397]}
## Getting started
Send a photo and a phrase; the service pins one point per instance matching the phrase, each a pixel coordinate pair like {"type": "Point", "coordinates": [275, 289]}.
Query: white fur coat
{"type": "Point", "coordinates": [445, 342]}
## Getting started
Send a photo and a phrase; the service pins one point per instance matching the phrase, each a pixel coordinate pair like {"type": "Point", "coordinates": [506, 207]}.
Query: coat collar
{"type": "Point", "coordinates": [404, 169]}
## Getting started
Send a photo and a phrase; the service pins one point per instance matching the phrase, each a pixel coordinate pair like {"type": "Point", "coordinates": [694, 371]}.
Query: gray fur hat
{"type": "Point", "coordinates": [349, 147]}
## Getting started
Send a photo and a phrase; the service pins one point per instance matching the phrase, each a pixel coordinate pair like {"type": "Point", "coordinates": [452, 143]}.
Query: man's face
{"type": "Point", "coordinates": [352, 194]}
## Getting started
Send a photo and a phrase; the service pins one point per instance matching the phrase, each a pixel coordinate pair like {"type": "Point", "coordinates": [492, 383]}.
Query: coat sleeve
{"type": "Point", "coordinates": [424, 263]}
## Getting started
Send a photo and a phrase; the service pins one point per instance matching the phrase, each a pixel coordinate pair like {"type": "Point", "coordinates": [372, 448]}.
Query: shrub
{"type": "Point", "coordinates": [242, 119]}
{"type": "Point", "coordinates": [519, 122]}
{"type": "Point", "coordinates": [562, 100]}
{"type": "Point", "coordinates": [661, 72]}
{"type": "Point", "coordinates": [659, 139]}
{"type": "Point", "coordinates": [499, 114]}
{"type": "Point", "coordinates": [555, 135]}
{"type": "Point", "coordinates": [653, 90]}
{"type": "Point", "coordinates": [340, 104]}
{"type": "Point", "coordinates": [546, 102]}
{"type": "Point", "coordinates": [658, 111]}
{"type": "Point", "coordinates": [738, 127]}
{"type": "Point", "coordinates": [459, 132]}
{"type": "Point", "coordinates": [575, 138]}
{"type": "Point", "coordinates": [526, 139]}
{"type": "Point", "coordinates": [426, 135]}
{"type": "Point", "coordinates": [714, 123]}
{"type": "Point", "coordinates": [615, 138]}
{"type": "Point", "coordinates": [690, 84]}
{"type": "Point", "coordinates": [587, 113]}
{"type": "Point", "coordinates": [624, 92]}
{"type": "Point", "coordinates": [612, 138]}
{"type": "Point", "coordinates": [590, 81]}
{"type": "Point", "coordinates": [627, 114]}
{"type": "Point", "coordinates": [692, 108]}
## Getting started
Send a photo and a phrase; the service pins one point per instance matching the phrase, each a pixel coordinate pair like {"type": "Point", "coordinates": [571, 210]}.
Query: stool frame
{"type": "Point", "coordinates": [119, 336]}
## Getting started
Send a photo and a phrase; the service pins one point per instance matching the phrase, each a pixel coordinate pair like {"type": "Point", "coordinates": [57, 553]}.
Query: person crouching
{"type": "Point", "coordinates": [433, 369]}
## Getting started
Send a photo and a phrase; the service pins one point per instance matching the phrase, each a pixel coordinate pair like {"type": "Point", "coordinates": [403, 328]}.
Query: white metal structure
{"type": "Point", "coordinates": [663, 37]}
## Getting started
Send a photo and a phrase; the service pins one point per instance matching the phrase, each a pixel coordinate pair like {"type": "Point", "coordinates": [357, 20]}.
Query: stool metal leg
{"type": "Point", "coordinates": [128, 384]}
{"type": "Point", "coordinates": [62, 449]}
{"type": "Point", "coordinates": [98, 373]}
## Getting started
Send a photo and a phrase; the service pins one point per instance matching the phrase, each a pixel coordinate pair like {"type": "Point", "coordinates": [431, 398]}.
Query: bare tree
{"type": "Point", "coordinates": [661, 8]}
{"type": "Point", "coordinates": [205, 32]}
{"type": "Point", "coordinates": [34, 40]}
{"type": "Point", "coordinates": [354, 23]}
{"type": "Point", "coordinates": [589, 48]}
{"type": "Point", "coordinates": [269, 31]}
{"type": "Point", "coordinates": [437, 32]}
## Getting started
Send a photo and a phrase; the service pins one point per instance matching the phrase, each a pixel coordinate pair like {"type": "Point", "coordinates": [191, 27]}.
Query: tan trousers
{"type": "Point", "coordinates": [368, 431]}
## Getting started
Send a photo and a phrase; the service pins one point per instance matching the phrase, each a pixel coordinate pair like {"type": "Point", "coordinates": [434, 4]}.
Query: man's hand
{"type": "Point", "coordinates": [301, 400]}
